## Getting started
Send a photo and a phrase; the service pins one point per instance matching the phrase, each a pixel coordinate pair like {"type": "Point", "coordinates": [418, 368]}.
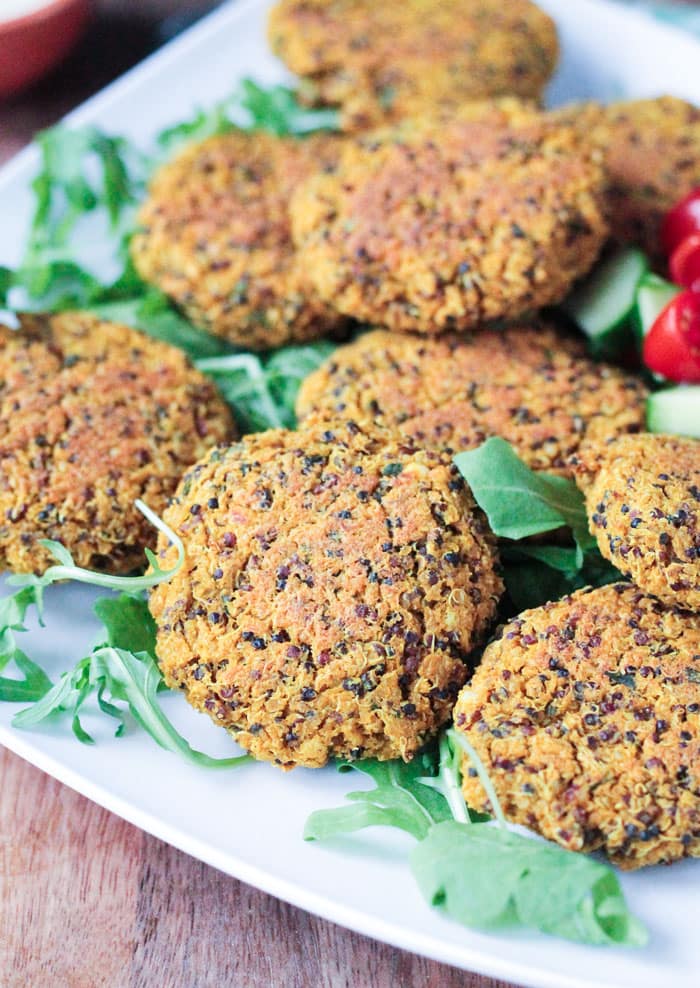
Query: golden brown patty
{"type": "Point", "coordinates": [384, 61]}
{"type": "Point", "coordinates": [333, 588]}
{"type": "Point", "coordinates": [651, 150]}
{"type": "Point", "coordinates": [215, 237]}
{"type": "Point", "coordinates": [529, 385]}
{"type": "Point", "coordinates": [643, 502]}
{"type": "Point", "coordinates": [446, 229]}
{"type": "Point", "coordinates": [92, 416]}
{"type": "Point", "coordinates": [586, 715]}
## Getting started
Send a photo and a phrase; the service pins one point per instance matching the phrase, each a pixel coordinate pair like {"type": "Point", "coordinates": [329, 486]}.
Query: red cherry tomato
{"type": "Point", "coordinates": [685, 262]}
{"type": "Point", "coordinates": [672, 346]}
{"type": "Point", "coordinates": [680, 221]}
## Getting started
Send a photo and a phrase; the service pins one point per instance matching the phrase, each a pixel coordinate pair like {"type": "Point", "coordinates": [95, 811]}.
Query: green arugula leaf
{"type": "Point", "coordinates": [519, 502]}
{"type": "Point", "coordinates": [153, 313]}
{"type": "Point", "coordinates": [205, 123]}
{"type": "Point", "coordinates": [121, 670]}
{"type": "Point", "coordinates": [13, 609]}
{"type": "Point", "coordinates": [400, 798]}
{"type": "Point", "coordinates": [63, 192]}
{"type": "Point", "coordinates": [57, 285]}
{"type": "Point", "coordinates": [67, 570]}
{"type": "Point", "coordinates": [34, 682]}
{"type": "Point", "coordinates": [288, 367]}
{"type": "Point", "coordinates": [487, 877]}
{"type": "Point", "coordinates": [564, 559]}
{"type": "Point", "coordinates": [128, 623]}
{"type": "Point", "coordinates": [481, 875]}
{"type": "Point", "coordinates": [126, 619]}
{"type": "Point", "coordinates": [277, 110]}
{"type": "Point", "coordinates": [262, 389]}
{"type": "Point", "coordinates": [535, 575]}
{"type": "Point", "coordinates": [447, 781]}
{"type": "Point", "coordinates": [7, 282]}
{"type": "Point", "coordinates": [130, 677]}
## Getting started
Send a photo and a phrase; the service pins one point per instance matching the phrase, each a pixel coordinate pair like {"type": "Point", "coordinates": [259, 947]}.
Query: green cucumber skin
{"type": "Point", "coordinates": [653, 295]}
{"type": "Point", "coordinates": [675, 411]}
{"type": "Point", "coordinates": [603, 306]}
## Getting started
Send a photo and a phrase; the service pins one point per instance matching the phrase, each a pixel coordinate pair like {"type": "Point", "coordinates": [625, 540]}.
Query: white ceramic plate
{"type": "Point", "coordinates": [249, 822]}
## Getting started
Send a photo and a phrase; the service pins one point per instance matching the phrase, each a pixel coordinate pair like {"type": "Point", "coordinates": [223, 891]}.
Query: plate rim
{"type": "Point", "coordinates": [487, 963]}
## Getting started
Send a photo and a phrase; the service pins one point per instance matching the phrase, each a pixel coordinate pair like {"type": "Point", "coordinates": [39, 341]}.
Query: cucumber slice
{"type": "Point", "coordinates": [603, 305]}
{"type": "Point", "coordinates": [675, 410]}
{"type": "Point", "coordinates": [653, 295]}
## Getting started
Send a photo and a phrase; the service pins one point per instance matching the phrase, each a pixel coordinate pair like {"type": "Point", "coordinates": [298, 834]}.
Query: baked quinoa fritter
{"type": "Point", "coordinates": [528, 384]}
{"type": "Point", "coordinates": [651, 150]}
{"type": "Point", "coordinates": [383, 61]}
{"type": "Point", "coordinates": [214, 236]}
{"type": "Point", "coordinates": [586, 715]}
{"type": "Point", "coordinates": [92, 416]}
{"type": "Point", "coordinates": [643, 502]}
{"type": "Point", "coordinates": [334, 586]}
{"type": "Point", "coordinates": [448, 229]}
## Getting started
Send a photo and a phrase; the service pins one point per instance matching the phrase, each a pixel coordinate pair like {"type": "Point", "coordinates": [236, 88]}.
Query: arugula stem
{"type": "Point", "coordinates": [449, 774]}
{"type": "Point", "coordinates": [486, 782]}
{"type": "Point", "coordinates": [395, 781]}
{"type": "Point", "coordinates": [250, 365]}
{"type": "Point", "coordinates": [131, 584]}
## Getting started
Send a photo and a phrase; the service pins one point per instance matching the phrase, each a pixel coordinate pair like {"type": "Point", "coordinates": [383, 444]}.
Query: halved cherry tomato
{"type": "Point", "coordinates": [672, 346]}
{"type": "Point", "coordinates": [685, 262]}
{"type": "Point", "coordinates": [680, 221]}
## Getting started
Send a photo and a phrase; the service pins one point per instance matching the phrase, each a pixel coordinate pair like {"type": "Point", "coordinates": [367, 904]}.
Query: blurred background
{"type": "Point", "coordinates": [115, 35]}
{"type": "Point", "coordinates": [106, 37]}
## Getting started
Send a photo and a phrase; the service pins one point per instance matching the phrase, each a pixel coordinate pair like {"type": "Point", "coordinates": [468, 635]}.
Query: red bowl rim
{"type": "Point", "coordinates": [48, 10]}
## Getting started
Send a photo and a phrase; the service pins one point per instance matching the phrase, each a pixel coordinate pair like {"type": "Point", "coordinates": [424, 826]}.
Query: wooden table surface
{"type": "Point", "coordinates": [88, 900]}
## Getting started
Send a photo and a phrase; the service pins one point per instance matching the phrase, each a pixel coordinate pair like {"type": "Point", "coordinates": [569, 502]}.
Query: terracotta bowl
{"type": "Point", "coordinates": [32, 44]}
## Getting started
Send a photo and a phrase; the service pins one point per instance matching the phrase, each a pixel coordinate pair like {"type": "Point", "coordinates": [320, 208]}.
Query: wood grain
{"type": "Point", "coordinates": [87, 900]}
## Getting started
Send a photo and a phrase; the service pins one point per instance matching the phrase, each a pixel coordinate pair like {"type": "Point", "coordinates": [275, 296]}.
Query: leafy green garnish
{"type": "Point", "coordinates": [121, 669]}
{"type": "Point", "coordinates": [536, 574]}
{"type": "Point", "coordinates": [489, 878]}
{"type": "Point", "coordinates": [519, 502]}
{"type": "Point", "coordinates": [35, 683]}
{"type": "Point", "coordinates": [274, 109]}
{"type": "Point", "coordinates": [483, 875]}
{"type": "Point", "coordinates": [277, 110]}
{"type": "Point", "coordinates": [67, 570]}
{"type": "Point", "coordinates": [13, 610]}
{"type": "Point", "coordinates": [7, 278]}
{"type": "Point", "coordinates": [85, 172]}
{"type": "Point", "coordinates": [154, 314]}
{"type": "Point", "coordinates": [115, 675]}
{"type": "Point", "coordinates": [262, 389]}
{"type": "Point", "coordinates": [65, 192]}
{"type": "Point", "coordinates": [203, 124]}
{"type": "Point", "coordinates": [400, 798]}
{"type": "Point", "coordinates": [127, 622]}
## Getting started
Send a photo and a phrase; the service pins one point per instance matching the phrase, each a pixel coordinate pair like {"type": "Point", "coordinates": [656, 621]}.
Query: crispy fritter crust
{"type": "Point", "coordinates": [447, 229]}
{"type": "Point", "coordinates": [92, 416]}
{"type": "Point", "coordinates": [384, 61]}
{"type": "Point", "coordinates": [586, 715]}
{"type": "Point", "coordinates": [528, 384]}
{"type": "Point", "coordinates": [214, 236]}
{"type": "Point", "coordinates": [333, 588]}
{"type": "Point", "coordinates": [652, 153]}
{"type": "Point", "coordinates": [643, 502]}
